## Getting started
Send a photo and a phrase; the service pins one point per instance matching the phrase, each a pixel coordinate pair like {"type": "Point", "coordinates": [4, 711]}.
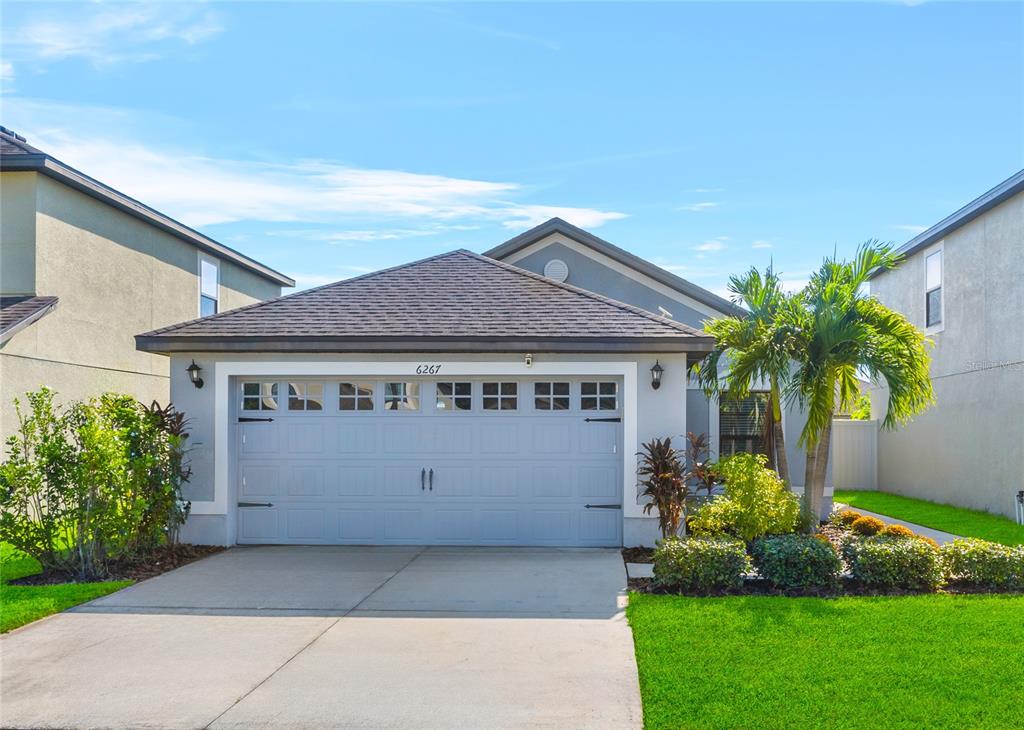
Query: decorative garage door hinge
{"type": "Point", "coordinates": [603, 420]}
{"type": "Point", "coordinates": [249, 419]}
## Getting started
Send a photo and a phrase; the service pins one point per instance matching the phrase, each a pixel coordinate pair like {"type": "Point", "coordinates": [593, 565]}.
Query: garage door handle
{"type": "Point", "coordinates": [431, 480]}
{"type": "Point", "coordinates": [603, 506]}
{"type": "Point", "coordinates": [423, 476]}
{"type": "Point", "coordinates": [255, 504]}
{"type": "Point", "coordinates": [603, 420]}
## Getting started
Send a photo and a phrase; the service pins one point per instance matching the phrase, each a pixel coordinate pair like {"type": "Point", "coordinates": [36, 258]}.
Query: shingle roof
{"type": "Point", "coordinates": [16, 155]}
{"type": "Point", "coordinates": [18, 312]}
{"type": "Point", "coordinates": [456, 301]}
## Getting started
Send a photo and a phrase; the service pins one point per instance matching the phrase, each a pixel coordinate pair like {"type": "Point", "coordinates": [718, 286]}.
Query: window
{"type": "Point", "coordinates": [933, 289]}
{"type": "Point", "coordinates": [259, 396]}
{"type": "Point", "coordinates": [209, 286]}
{"type": "Point", "coordinates": [741, 425]}
{"type": "Point", "coordinates": [454, 396]}
{"type": "Point", "coordinates": [551, 396]}
{"type": "Point", "coordinates": [401, 396]}
{"type": "Point", "coordinates": [305, 396]}
{"type": "Point", "coordinates": [501, 396]}
{"type": "Point", "coordinates": [355, 396]}
{"type": "Point", "coordinates": [599, 396]}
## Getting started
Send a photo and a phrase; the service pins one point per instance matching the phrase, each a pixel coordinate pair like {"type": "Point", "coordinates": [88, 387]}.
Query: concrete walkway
{"type": "Point", "coordinates": [339, 637]}
{"type": "Point", "coordinates": [937, 535]}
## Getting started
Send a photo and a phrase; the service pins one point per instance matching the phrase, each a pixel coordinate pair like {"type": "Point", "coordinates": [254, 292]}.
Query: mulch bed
{"type": "Point", "coordinates": [638, 555]}
{"type": "Point", "coordinates": [139, 568]}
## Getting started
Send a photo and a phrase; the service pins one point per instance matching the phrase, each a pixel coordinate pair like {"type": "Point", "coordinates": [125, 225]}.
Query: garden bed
{"type": "Point", "coordinates": [159, 561]}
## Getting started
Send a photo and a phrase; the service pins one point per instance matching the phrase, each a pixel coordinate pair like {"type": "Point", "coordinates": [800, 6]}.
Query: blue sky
{"type": "Point", "coordinates": [332, 139]}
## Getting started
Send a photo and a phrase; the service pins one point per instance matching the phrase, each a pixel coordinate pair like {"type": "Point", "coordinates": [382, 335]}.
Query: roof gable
{"type": "Point", "coordinates": [457, 301]}
{"type": "Point", "coordinates": [619, 255]}
{"type": "Point", "coordinates": [18, 312]}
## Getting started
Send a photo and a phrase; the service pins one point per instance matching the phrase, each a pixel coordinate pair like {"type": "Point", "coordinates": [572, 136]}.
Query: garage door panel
{"type": "Point", "coordinates": [599, 526]}
{"type": "Point", "coordinates": [258, 438]}
{"type": "Point", "coordinates": [305, 438]}
{"type": "Point", "coordinates": [306, 481]}
{"type": "Point", "coordinates": [402, 481]}
{"type": "Point", "coordinates": [357, 481]}
{"type": "Point", "coordinates": [552, 481]}
{"type": "Point", "coordinates": [552, 526]}
{"type": "Point", "coordinates": [259, 480]}
{"type": "Point", "coordinates": [455, 481]}
{"type": "Point", "coordinates": [405, 525]}
{"type": "Point", "coordinates": [257, 524]}
{"type": "Point", "coordinates": [305, 524]}
{"type": "Point", "coordinates": [358, 437]}
{"type": "Point", "coordinates": [599, 438]}
{"type": "Point", "coordinates": [498, 481]}
{"type": "Point", "coordinates": [553, 438]}
{"type": "Point", "coordinates": [358, 525]}
{"type": "Point", "coordinates": [499, 525]}
{"type": "Point", "coordinates": [598, 481]}
{"type": "Point", "coordinates": [455, 525]}
{"type": "Point", "coordinates": [499, 437]}
{"type": "Point", "coordinates": [451, 435]}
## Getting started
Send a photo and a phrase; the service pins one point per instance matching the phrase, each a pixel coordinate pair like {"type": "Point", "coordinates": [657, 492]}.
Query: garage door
{"type": "Point", "coordinates": [501, 461]}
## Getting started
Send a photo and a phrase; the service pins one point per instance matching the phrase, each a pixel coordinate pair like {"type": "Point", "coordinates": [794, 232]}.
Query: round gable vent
{"type": "Point", "coordinates": [556, 269]}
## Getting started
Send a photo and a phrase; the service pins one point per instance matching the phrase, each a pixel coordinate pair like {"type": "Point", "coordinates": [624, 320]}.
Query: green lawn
{"type": "Point", "coordinates": [774, 662]}
{"type": "Point", "coordinates": [20, 605]}
{"type": "Point", "coordinates": [945, 517]}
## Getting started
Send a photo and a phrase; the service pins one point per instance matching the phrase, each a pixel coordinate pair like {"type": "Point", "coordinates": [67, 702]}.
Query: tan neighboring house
{"type": "Point", "coordinates": [962, 282]}
{"type": "Point", "coordinates": [84, 268]}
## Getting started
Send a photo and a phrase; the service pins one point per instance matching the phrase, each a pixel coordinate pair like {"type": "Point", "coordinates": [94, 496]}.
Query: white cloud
{"type": "Point", "coordinates": [6, 70]}
{"type": "Point", "coordinates": [367, 234]}
{"type": "Point", "coordinates": [911, 228]}
{"type": "Point", "coordinates": [761, 244]}
{"type": "Point", "coordinates": [706, 190]}
{"type": "Point", "coordinates": [201, 190]}
{"type": "Point", "coordinates": [699, 207]}
{"type": "Point", "coordinates": [109, 34]}
{"type": "Point", "coordinates": [309, 279]}
{"type": "Point", "coordinates": [712, 246]}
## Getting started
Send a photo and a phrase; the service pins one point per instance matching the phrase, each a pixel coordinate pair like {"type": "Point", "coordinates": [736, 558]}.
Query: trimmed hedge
{"type": "Point", "coordinates": [985, 564]}
{"type": "Point", "coordinates": [886, 563]}
{"type": "Point", "coordinates": [897, 531]}
{"type": "Point", "coordinates": [867, 525]}
{"type": "Point", "coordinates": [700, 565]}
{"type": "Point", "coordinates": [796, 561]}
{"type": "Point", "coordinates": [846, 517]}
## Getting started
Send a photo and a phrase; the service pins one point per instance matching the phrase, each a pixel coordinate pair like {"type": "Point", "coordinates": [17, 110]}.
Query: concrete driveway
{"type": "Point", "coordinates": [343, 637]}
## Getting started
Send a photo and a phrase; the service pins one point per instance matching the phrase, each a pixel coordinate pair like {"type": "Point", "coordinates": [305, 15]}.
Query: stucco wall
{"type": "Point", "coordinates": [17, 232]}
{"type": "Point", "coordinates": [116, 277]}
{"type": "Point", "coordinates": [969, 448]}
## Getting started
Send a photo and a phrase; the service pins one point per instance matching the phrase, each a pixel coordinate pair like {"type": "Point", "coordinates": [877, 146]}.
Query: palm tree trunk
{"type": "Point", "coordinates": [809, 471]}
{"type": "Point", "coordinates": [781, 461]}
{"type": "Point", "coordinates": [814, 490]}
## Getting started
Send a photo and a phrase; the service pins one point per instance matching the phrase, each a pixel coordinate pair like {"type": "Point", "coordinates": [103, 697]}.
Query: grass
{"type": "Point", "coordinates": [945, 517]}
{"type": "Point", "coordinates": [20, 605]}
{"type": "Point", "coordinates": [774, 662]}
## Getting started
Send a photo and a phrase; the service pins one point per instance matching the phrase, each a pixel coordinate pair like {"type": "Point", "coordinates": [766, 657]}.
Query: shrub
{"type": "Point", "coordinates": [927, 540]}
{"type": "Point", "coordinates": [662, 483]}
{"type": "Point", "coordinates": [846, 517]}
{"type": "Point", "coordinates": [756, 502]}
{"type": "Point", "coordinates": [700, 564]}
{"type": "Point", "coordinates": [897, 531]}
{"type": "Point", "coordinates": [867, 525]}
{"type": "Point", "coordinates": [797, 561]}
{"type": "Point", "coordinates": [893, 562]}
{"type": "Point", "coordinates": [984, 563]}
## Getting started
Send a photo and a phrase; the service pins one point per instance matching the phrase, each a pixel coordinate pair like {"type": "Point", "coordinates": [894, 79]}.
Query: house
{"type": "Point", "coordinates": [84, 268]}
{"type": "Point", "coordinates": [962, 283]}
{"type": "Point", "coordinates": [495, 399]}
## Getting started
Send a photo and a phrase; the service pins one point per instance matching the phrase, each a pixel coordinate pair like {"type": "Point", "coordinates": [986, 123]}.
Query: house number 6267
{"type": "Point", "coordinates": [428, 369]}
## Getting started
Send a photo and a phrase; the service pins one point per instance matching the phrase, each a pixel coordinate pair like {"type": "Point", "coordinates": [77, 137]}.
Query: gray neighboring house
{"type": "Point", "coordinates": [84, 268]}
{"type": "Point", "coordinates": [963, 283]}
{"type": "Point", "coordinates": [464, 399]}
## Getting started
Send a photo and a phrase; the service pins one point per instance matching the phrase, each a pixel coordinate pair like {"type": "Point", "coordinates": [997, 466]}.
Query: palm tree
{"type": "Point", "coordinates": [756, 349]}
{"type": "Point", "coordinates": [836, 331]}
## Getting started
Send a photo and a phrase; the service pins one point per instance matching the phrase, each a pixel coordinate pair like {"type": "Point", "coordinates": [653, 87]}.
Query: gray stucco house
{"type": "Point", "coordinates": [84, 268]}
{"type": "Point", "coordinates": [495, 399]}
{"type": "Point", "coordinates": [963, 283]}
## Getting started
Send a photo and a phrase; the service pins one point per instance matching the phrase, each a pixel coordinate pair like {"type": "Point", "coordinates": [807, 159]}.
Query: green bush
{"type": "Point", "coordinates": [867, 525]}
{"type": "Point", "coordinates": [897, 531]}
{"type": "Point", "coordinates": [796, 561]}
{"type": "Point", "coordinates": [845, 518]}
{"type": "Point", "coordinates": [983, 563]}
{"type": "Point", "coordinates": [91, 482]}
{"type": "Point", "coordinates": [700, 565]}
{"type": "Point", "coordinates": [756, 502]}
{"type": "Point", "coordinates": [887, 563]}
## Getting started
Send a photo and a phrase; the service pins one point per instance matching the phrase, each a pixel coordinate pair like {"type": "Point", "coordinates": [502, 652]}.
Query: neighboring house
{"type": "Point", "coordinates": [461, 399]}
{"type": "Point", "coordinates": [84, 268]}
{"type": "Point", "coordinates": [963, 283]}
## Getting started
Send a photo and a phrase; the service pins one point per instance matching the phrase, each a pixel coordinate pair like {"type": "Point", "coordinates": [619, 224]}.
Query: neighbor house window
{"type": "Point", "coordinates": [501, 396]}
{"type": "Point", "coordinates": [209, 286]}
{"type": "Point", "coordinates": [551, 396]}
{"type": "Point", "coordinates": [741, 425]}
{"type": "Point", "coordinates": [454, 396]}
{"type": "Point", "coordinates": [600, 396]}
{"type": "Point", "coordinates": [305, 396]}
{"type": "Point", "coordinates": [401, 396]}
{"type": "Point", "coordinates": [355, 396]}
{"type": "Point", "coordinates": [259, 396]}
{"type": "Point", "coordinates": [933, 289]}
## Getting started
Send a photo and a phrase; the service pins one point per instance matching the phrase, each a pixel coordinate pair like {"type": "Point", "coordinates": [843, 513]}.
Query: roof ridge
{"type": "Point", "coordinates": [586, 293]}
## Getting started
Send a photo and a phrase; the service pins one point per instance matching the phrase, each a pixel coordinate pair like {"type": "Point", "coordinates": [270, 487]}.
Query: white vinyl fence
{"type": "Point", "coordinates": [855, 454]}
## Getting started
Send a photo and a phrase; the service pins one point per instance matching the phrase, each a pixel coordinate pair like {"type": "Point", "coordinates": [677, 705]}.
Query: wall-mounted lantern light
{"type": "Point", "coordinates": [656, 372]}
{"type": "Point", "coordinates": [193, 375]}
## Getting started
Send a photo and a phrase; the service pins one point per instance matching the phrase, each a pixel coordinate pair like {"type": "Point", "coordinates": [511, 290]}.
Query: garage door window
{"type": "Point", "coordinates": [601, 396]}
{"type": "Point", "coordinates": [454, 396]}
{"type": "Point", "coordinates": [401, 396]}
{"type": "Point", "coordinates": [501, 396]}
{"type": "Point", "coordinates": [355, 397]}
{"type": "Point", "coordinates": [259, 396]}
{"type": "Point", "coordinates": [551, 396]}
{"type": "Point", "coordinates": [305, 396]}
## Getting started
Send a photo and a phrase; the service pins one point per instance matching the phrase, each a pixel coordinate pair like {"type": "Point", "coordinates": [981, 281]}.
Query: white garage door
{"type": "Point", "coordinates": [502, 461]}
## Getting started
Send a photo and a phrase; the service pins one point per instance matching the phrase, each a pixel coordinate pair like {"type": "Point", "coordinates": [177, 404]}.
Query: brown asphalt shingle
{"type": "Point", "coordinates": [19, 311]}
{"type": "Point", "coordinates": [457, 294]}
